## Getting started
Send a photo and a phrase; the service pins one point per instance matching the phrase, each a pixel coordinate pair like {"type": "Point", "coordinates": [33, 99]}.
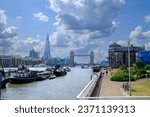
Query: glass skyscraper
{"type": "Point", "coordinates": [47, 49]}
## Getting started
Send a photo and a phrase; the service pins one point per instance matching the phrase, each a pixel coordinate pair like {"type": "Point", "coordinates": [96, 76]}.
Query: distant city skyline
{"type": "Point", "coordinates": [78, 25]}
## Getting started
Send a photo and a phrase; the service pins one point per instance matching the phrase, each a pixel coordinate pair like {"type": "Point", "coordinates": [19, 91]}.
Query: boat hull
{"type": "Point", "coordinates": [57, 74]}
{"type": "Point", "coordinates": [22, 80]}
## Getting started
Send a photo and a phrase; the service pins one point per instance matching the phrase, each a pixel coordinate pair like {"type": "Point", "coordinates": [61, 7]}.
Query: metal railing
{"type": "Point", "coordinates": [0, 85]}
{"type": "Point", "coordinates": [116, 98]}
{"type": "Point", "coordinates": [88, 90]}
{"type": "Point", "coordinates": [85, 94]}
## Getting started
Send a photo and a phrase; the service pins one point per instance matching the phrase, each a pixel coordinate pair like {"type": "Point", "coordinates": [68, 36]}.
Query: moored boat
{"type": "Point", "coordinates": [52, 76]}
{"type": "Point", "coordinates": [60, 72]}
{"type": "Point", "coordinates": [2, 73]}
{"type": "Point", "coordinates": [67, 69]}
{"type": "Point", "coordinates": [43, 75]}
{"type": "Point", "coordinates": [23, 75]}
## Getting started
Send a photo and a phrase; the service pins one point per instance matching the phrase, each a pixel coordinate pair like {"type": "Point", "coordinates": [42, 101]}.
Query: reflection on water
{"type": "Point", "coordinates": [66, 87]}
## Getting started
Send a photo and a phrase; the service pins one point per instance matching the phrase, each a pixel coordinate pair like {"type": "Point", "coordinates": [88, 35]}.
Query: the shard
{"type": "Point", "coordinates": [47, 49]}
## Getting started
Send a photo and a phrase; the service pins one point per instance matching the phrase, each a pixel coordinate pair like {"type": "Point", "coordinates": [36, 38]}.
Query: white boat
{"type": "Point", "coordinates": [52, 76]}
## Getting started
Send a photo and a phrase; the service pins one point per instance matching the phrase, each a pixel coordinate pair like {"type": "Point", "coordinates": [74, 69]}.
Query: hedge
{"type": "Point", "coordinates": [147, 67]}
{"type": "Point", "coordinates": [122, 77]}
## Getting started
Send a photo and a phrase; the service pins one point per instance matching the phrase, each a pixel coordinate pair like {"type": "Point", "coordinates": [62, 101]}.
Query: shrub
{"type": "Point", "coordinates": [117, 71]}
{"type": "Point", "coordinates": [122, 77]}
{"type": "Point", "coordinates": [136, 76]}
{"type": "Point", "coordinates": [142, 71]}
{"type": "Point", "coordinates": [147, 67]}
{"type": "Point", "coordinates": [140, 64]}
{"type": "Point", "coordinates": [123, 67]}
{"type": "Point", "coordinates": [140, 74]}
{"type": "Point", "coordinates": [148, 75]}
{"type": "Point", "coordinates": [134, 68]}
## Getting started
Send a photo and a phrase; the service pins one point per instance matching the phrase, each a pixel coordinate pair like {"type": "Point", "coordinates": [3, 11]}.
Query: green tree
{"type": "Point", "coordinates": [123, 67]}
{"type": "Point", "coordinates": [134, 68]}
{"type": "Point", "coordinates": [140, 64]}
{"type": "Point", "coordinates": [147, 67]}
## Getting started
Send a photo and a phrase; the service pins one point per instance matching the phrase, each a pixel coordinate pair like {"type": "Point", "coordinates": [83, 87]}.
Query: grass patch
{"type": "Point", "coordinates": [141, 89]}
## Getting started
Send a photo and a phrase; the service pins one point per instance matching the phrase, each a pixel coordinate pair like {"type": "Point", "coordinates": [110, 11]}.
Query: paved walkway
{"type": "Point", "coordinates": [110, 88]}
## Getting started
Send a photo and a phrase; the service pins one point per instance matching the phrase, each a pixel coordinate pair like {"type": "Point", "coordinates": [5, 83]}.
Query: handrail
{"type": "Point", "coordinates": [87, 91]}
{"type": "Point", "coordinates": [116, 98]}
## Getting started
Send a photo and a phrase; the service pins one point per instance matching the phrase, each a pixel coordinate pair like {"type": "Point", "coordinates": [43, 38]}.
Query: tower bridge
{"type": "Point", "coordinates": [73, 55]}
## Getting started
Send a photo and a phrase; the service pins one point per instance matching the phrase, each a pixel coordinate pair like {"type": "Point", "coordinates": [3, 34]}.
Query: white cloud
{"type": "Point", "coordinates": [122, 42]}
{"type": "Point", "coordinates": [8, 44]}
{"type": "Point", "coordinates": [31, 41]}
{"type": "Point", "coordinates": [7, 34]}
{"type": "Point", "coordinates": [147, 18]}
{"type": "Point", "coordinates": [10, 41]}
{"type": "Point", "coordinates": [18, 18]}
{"type": "Point", "coordinates": [41, 16]}
{"type": "Point", "coordinates": [147, 46]}
{"type": "Point", "coordinates": [138, 37]}
{"type": "Point", "coordinates": [25, 45]}
{"type": "Point", "coordinates": [139, 34]}
{"type": "Point", "coordinates": [96, 15]}
{"type": "Point", "coordinates": [3, 17]}
{"type": "Point", "coordinates": [3, 20]}
{"type": "Point", "coordinates": [80, 22]}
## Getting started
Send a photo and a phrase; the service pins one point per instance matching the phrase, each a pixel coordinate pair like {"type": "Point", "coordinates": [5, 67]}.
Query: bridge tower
{"type": "Point", "coordinates": [91, 58]}
{"type": "Point", "coordinates": [72, 58]}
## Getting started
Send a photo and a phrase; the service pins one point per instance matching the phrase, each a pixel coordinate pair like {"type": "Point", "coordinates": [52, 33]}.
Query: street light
{"type": "Point", "coordinates": [116, 59]}
{"type": "Point", "coordinates": [146, 77]}
{"type": "Point", "coordinates": [129, 70]}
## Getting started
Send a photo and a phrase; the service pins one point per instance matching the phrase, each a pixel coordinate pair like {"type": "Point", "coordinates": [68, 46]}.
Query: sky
{"type": "Point", "coordinates": [78, 25]}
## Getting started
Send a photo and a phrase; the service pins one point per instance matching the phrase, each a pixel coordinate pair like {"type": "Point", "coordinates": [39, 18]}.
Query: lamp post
{"type": "Point", "coordinates": [116, 59]}
{"type": "Point", "coordinates": [129, 70]}
{"type": "Point", "coordinates": [146, 77]}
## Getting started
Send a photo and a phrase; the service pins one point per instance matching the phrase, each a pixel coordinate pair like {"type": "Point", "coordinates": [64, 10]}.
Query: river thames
{"type": "Point", "coordinates": [60, 88]}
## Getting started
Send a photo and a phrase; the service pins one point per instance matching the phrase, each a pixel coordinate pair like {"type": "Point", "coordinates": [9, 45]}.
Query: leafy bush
{"type": "Point", "coordinates": [122, 77]}
{"type": "Point", "coordinates": [147, 67]}
{"type": "Point", "coordinates": [139, 74]}
{"type": "Point", "coordinates": [142, 72]}
{"type": "Point", "coordinates": [136, 76]}
{"type": "Point", "coordinates": [123, 67]}
{"type": "Point", "coordinates": [140, 64]}
{"type": "Point", "coordinates": [134, 68]}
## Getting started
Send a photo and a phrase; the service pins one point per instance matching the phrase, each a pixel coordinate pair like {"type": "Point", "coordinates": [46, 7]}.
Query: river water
{"type": "Point", "coordinates": [60, 88]}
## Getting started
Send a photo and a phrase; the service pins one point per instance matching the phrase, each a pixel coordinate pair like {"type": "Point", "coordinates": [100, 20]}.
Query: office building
{"type": "Point", "coordinates": [34, 54]}
{"type": "Point", "coordinates": [10, 60]}
{"type": "Point", "coordinates": [47, 50]}
{"type": "Point", "coordinates": [143, 56]}
{"type": "Point", "coordinates": [118, 55]}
